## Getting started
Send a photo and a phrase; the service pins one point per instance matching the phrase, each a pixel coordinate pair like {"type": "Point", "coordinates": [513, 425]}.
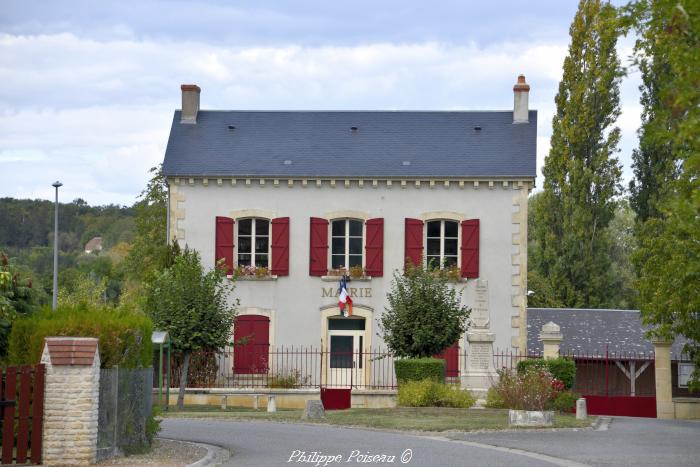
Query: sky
{"type": "Point", "coordinates": [89, 88]}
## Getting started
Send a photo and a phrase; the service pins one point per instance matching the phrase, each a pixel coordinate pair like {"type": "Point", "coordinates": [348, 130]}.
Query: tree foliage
{"type": "Point", "coordinates": [149, 252]}
{"type": "Point", "coordinates": [191, 304]}
{"type": "Point", "coordinates": [17, 299]}
{"type": "Point", "coordinates": [582, 175]}
{"type": "Point", "coordinates": [668, 259]}
{"type": "Point", "coordinates": [425, 314]}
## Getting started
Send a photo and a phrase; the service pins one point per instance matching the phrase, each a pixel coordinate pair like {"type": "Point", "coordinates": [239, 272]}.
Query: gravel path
{"type": "Point", "coordinates": [165, 453]}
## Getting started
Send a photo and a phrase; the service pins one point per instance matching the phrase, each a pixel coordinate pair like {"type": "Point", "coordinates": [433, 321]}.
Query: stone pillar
{"type": "Point", "coordinates": [551, 338]}
{"type": "Point", "coordinates": [662, 375]}
{"type": "Point", "coordinates": [70, 400]}
{"type": "Point", "coordinates": [480, 373]}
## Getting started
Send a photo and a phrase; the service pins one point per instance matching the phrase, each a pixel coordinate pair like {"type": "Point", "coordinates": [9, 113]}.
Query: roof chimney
{"type": "Point", "coordinates": [521, 92]}
{"type": "Point", "coordinates": [190, 103]}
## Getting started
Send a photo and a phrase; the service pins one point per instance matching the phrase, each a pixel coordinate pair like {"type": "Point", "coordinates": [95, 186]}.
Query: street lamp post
{"type": "Point", "coordinates": [54, 302]}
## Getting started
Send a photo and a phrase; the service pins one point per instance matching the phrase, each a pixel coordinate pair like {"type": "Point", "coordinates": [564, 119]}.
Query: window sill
{"type": "Point", "coordinates": [350, 279]}
{"type": "Point", "coordinates": [253, 278]}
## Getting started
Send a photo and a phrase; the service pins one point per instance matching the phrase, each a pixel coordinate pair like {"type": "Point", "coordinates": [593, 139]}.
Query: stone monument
{"type": "Point", "coordinates": [480, 373]}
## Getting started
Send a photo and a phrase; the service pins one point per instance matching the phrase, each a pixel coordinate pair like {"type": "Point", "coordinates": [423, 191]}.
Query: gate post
{"type": "Point", "coordinates": [70, 400]}
{"type": "Point", "coordinates": [551, 338]}
{"type": "Point", "coordinates": [662, 376]}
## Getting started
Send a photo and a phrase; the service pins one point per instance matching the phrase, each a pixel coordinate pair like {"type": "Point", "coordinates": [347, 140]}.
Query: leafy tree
{"type": "Point", "coordinates": [582, 175]}
{"type": "Point", "coordinates": [425, 314]}
{"type": "Point", "coordinates": [150, 251]}
{"type": "Point", "coordinates": [191, 304]}
{"type": "Point", "coordinates": [16, 299]}
{"type": "Point", "coordinates": [668, 258]}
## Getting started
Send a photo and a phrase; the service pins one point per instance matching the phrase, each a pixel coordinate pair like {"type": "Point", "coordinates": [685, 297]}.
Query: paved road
{"type": "Point", "coordinates": [627, 442]}
{"type": "Point", "coordinates": [259, 444]}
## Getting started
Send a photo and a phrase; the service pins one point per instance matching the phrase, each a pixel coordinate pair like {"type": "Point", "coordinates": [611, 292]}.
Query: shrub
{"type": "Point", "coordinates": [292, 380]}
{"type": "Point", "coordinates": [563, 369]}
{"type": "Point", "coordinates": [124, 334]}
{"type": "Point", "coordinates": [528, 390]}
{"type": "Point", "coordinates": [494, 399]}
{"type": "Point", "coordinates": [430, 393]}
{"type": "Point", "coordinates": [418, 369]}
{"type": "Point", "coordinates": [564, 401]}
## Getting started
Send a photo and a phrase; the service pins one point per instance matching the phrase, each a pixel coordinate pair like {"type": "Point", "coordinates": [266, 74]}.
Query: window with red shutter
{"type": "Point", "coordinates": [318, 249]}
{"type": "Point", "coordinates": [280, 247]}
{"type": "Point", "coordinates": [374, 247]}
{"type": "Point", "coordinates": [413, 243]}
{"type": "Point", "coordinates": [470, 248]}
{"type": "Point", "coordinates": [224, 242]}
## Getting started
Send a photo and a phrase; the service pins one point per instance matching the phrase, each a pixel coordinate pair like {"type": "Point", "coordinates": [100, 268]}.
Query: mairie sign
{"type": "Point", "coordinates": [359, 292]}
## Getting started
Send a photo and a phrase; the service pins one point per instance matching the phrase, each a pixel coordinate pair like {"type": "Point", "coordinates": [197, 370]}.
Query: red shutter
{"type": "Point", "coordinates": [470, 248]}
{"type": "Point", "coordinates": [374, 247]}
{"type": "Point", "coordinates": [318, 251]}
{"type": "Point", "coordinates": [413, 246]}
{"type": "Point", "coordinates": [280, 247]}
{"type": "Point", "coordinates": [224, 242]}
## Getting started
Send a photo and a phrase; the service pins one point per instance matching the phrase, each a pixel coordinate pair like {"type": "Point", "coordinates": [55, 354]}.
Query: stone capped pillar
{"type": "Point", "coordinates": [551, 338]}
{"type": "Point", "coordinates": [662, 375]}
{"type": "Point", "coordinates": [70, 400]}
{"type": "Point", "coordinates": [480, 372]}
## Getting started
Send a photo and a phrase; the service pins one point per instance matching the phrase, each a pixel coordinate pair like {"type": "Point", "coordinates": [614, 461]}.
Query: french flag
{"type": "Point", "coordinates": [344, 299]}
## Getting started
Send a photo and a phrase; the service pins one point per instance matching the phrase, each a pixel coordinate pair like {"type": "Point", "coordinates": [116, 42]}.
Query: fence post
{"type": "Point", "coordinates": [551, 338]}
{"type": "Point", "coordinates": [662, 376]}
{"type": "Point", "coordinates": [71, 397]}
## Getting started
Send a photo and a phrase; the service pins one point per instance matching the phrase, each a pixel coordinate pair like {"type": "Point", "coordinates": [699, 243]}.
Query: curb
{"type": "Point", "coordinates": [215, 455]}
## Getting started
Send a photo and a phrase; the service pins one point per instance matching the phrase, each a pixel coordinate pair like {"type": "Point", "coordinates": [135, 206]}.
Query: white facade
{"type": "Point", "coordinates": [299, 305]}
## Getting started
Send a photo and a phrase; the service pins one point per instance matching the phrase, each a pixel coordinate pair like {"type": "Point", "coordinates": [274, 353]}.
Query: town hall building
{"type": "Point", "coordinates": [289, 201]}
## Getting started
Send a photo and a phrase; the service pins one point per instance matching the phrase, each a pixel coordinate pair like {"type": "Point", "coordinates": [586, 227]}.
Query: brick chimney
{"type": "Point", "coordinates": [521, 92]}
{"type": "Point", "coordinates": [190, 103]}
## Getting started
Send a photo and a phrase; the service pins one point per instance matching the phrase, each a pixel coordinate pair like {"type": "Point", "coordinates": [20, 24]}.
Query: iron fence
{"type": "Point", "coordinates": [306, 367]}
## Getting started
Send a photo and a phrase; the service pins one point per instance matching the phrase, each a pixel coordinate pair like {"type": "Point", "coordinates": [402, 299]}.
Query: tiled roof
{"type": "Point", "coordinates": [591, 332]}
{"type": "Point", "coordinates": [72, 351]}
{"type": "Point", "coordinates": [323, 144]}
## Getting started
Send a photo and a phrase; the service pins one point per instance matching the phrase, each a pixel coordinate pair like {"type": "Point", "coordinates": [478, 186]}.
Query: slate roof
{"type": "Point", "coordinates": [587, 331]}
{"type": "Point", "coordinates": [321, 144]}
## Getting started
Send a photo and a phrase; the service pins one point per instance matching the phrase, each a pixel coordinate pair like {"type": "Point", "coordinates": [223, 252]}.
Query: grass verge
{"type": "Point", "coordinates": [401, 418]}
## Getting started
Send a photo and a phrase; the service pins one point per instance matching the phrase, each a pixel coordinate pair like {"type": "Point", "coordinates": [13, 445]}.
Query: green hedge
{"type": "Point", "coordinates": [418, 369]}
{"type": "Point", "coordinates": [430, 393]}
{"type": "Point", "coordinates": [124, 335]}
{"type": "Point", "coordinates": [563, 369]}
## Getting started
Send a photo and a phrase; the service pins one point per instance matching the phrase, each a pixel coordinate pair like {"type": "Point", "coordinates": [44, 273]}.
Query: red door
{"type": "Point", "coordinates": [451, 357]}
{"type": "Point", "coordinates": [251, 335]}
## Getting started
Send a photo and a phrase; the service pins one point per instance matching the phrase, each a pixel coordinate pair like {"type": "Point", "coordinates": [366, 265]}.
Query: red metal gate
{"type": "Point", "coordinates": [22, 402]}
{"type": "Point", "coordinates": [617, 383]}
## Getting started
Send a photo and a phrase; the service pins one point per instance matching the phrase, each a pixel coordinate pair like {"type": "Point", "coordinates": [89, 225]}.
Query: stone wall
{"type": "Point", "coordinates": [70, 400]}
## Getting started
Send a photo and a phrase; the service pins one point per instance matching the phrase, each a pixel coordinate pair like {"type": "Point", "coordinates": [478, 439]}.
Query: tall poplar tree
{"type": "Point", "coordinates": [582, 174]}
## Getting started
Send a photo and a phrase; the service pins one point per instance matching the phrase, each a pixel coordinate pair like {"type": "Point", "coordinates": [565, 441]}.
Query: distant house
{"type": "Point", "coordinates": [94, 245]}
{"type": "Point", "coordinates": [612, 353]}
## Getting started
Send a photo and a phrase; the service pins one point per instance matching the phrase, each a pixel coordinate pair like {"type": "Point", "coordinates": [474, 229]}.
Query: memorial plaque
{"type": "Point", "coordinates": [480, 312]}
{"type": "Point", "coordinates": [480, 356]}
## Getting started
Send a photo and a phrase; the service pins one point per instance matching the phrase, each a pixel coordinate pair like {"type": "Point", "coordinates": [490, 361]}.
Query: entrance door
{"type": "Point", "coordinates": [346, 359]}
{"type": "Point", "coordinates": [251, 335]}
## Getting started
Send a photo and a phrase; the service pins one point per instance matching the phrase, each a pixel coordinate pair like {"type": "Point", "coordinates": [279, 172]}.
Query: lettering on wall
{"type": "Point", "coordinates": [355, 292]}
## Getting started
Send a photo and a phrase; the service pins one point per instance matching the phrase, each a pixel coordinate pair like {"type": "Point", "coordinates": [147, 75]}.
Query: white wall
{"type": "Point", "coordinates": [296, 299]}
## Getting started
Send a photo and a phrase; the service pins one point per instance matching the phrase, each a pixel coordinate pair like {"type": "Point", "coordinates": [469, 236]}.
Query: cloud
{"type": "Point", "coordinates": [97, 113]}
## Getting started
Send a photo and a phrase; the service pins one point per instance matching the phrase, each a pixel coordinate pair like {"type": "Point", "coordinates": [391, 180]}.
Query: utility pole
{"type": "Point", "coordinates": [54, 302]}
